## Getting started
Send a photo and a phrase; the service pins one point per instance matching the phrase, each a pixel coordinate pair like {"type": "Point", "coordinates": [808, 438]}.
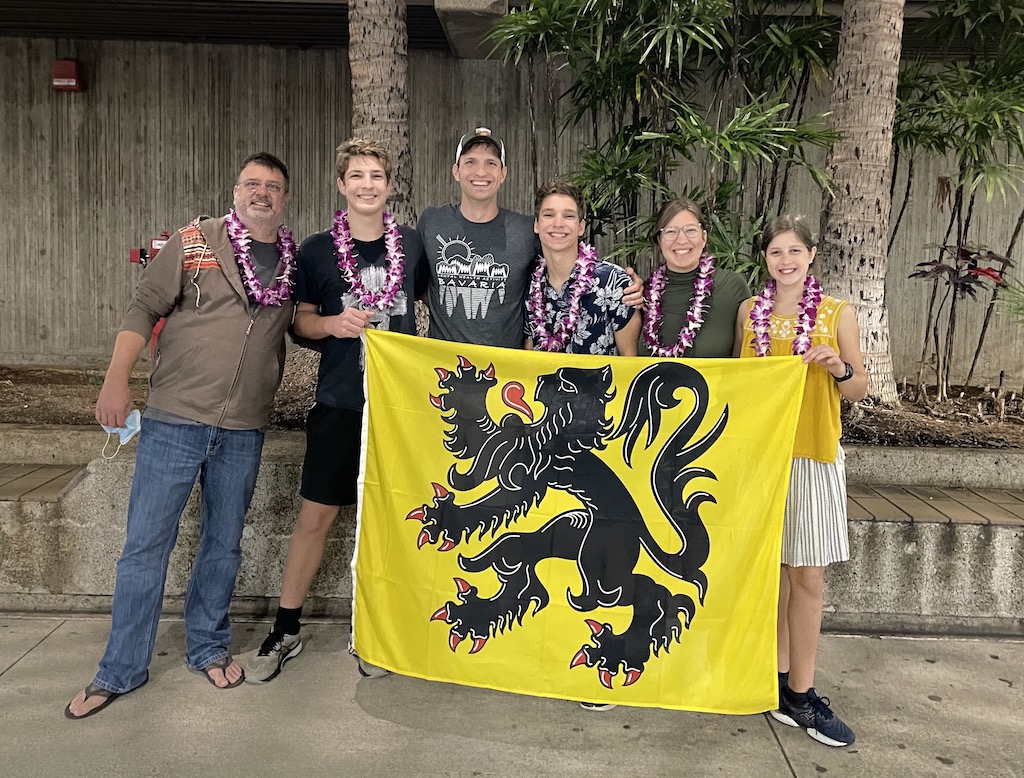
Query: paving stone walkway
{"type": "Point", "coordinates": [43, 483]}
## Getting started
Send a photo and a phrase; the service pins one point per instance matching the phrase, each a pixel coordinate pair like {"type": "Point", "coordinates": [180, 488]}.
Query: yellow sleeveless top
{"type": "Point", "coordinates": [820, 426]}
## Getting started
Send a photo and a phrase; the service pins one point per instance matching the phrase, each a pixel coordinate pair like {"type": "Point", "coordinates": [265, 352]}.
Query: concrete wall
{"type": "Point", "coordinates": [916, 577]}
{"type": "Point", "coordinates": [932, 578]}
{"type": "Point", "coordinates": [62, 555]}
{"type": "Point", "coordinates": [158, 135]}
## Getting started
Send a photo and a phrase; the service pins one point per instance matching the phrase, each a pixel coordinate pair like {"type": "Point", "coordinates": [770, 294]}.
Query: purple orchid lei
{"type": "Point", "coordinates": [761, 315]}
{"type": "Point", "coordinates": [564, 327]}
{"type": "Point", "coordinates": [654, 312]}
{"type": "Point", "coordinates": [394, 262]}
{"type": "Point", "coordinates": [240, 240]}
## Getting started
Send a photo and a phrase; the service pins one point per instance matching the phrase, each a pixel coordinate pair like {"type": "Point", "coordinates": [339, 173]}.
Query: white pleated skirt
{"type": "Point", "coordinates": [814, 533]}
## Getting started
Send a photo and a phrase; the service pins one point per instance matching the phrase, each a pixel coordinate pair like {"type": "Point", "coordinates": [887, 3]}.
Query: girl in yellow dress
{"type": "Point", "coordinates": [792, 315]}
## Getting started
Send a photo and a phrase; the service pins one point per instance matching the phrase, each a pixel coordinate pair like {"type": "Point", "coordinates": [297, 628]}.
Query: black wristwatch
{"type": "Point", "coordinates": [847, 375]}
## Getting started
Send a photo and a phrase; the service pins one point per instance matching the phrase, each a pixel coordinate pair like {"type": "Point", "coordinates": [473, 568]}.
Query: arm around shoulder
{"type": "Point", "coordinates": [633, 295]}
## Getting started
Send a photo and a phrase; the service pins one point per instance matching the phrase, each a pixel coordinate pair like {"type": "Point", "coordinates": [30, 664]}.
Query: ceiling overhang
{"type": "Point", "coordinates": [457, 26]}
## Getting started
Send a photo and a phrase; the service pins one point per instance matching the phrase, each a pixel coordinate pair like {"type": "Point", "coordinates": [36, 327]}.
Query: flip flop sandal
{"type": "Point", "coordinates": [92, 690]}
{"type": "Point", "coordinates": [222, 665]}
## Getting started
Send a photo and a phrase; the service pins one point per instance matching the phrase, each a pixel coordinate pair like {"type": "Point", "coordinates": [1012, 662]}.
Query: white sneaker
{"type": "Point", "coordinates": [597, 706]}
{"type": "Point", "coordinates": [268, 661]}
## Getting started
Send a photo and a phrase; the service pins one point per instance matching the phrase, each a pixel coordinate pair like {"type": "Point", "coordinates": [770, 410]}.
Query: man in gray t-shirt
{"type": "Point", "coordinates": [479, 274]}
{"type": "Point", "coordinates": [479, 254]}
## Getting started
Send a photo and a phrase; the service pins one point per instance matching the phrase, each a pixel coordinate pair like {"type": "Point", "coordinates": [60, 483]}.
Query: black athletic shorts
{"type": "Point", "coordinates": [331, 467]}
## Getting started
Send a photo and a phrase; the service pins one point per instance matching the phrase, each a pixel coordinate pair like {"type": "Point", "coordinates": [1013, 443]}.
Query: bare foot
{"type": "Point", "coordinates": [88, 701]}
{"type": "Point", "coordinates": [224, 677]}
{"type": "Point", "coordinates": [92, 699]}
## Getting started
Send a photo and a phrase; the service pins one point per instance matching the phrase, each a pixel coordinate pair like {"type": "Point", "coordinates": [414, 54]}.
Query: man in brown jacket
{"type": "Point", "coordinates": [224, 287]}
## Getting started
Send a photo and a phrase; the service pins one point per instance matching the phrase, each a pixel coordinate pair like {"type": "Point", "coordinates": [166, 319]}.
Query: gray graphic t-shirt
{"type": "Point", "coordinates": [479, 274]}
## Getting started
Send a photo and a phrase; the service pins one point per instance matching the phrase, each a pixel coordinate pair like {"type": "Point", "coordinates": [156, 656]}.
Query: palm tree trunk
{"type": "Point", "coordinates": [378, 59]}
{"type": "Point", "coordinates": [855, 222]}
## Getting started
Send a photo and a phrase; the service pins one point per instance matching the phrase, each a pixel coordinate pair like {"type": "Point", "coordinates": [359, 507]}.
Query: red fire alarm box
{"type": "Point", "coordinates": [143, 256]}
{"type": "Point", "coordinates": [67, 76]}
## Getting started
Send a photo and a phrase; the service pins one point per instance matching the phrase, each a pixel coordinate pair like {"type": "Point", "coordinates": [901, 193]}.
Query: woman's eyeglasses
{"type": "Point", "coordinates": [671, 233]}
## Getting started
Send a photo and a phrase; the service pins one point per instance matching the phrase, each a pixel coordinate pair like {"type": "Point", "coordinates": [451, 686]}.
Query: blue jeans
{"type": "Point", "coordinates": [167, 461]}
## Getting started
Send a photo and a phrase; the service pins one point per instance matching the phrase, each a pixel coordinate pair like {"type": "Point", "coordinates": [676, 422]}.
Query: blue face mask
{"type": "Point", "coordinates": [131, 426]}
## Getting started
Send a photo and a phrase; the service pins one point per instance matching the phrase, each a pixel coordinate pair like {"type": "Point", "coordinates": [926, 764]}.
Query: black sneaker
{"type": "Point", "coordinates": [815, 717]}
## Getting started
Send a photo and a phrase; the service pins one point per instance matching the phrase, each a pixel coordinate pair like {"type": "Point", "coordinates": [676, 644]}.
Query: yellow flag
{"type": "Point", "coordinates": [602, 529]}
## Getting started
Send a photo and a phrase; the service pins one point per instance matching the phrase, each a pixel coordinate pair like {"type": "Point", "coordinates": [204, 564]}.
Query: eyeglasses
{"type": "Point", "coordinates": [252, 184]}
{"type": "Point", "coordinates": [692, 232]}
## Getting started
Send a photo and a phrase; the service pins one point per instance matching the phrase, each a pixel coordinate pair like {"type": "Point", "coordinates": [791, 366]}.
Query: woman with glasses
{"type": "Point", "coordinates": [689, 304]}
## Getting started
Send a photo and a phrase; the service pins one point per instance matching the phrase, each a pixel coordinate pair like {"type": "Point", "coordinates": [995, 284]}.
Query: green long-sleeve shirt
{"type": "Point", "coordinates": [715, 337]}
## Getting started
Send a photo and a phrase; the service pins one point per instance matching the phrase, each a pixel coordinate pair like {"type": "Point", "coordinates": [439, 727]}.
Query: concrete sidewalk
{"type": "Point", "coordinates": [920, 707]}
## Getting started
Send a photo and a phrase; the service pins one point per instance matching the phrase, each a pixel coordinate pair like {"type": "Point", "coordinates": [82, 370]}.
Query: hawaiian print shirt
{"type": "Point", "coordinates": [602, 312]}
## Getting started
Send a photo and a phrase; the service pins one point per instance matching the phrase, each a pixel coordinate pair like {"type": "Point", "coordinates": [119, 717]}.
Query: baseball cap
{"type": "Point", "coordinates": [477, 136]}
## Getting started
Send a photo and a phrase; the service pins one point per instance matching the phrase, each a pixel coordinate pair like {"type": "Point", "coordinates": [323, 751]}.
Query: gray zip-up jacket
{"type": "Point", "coordinates": [219, 359]}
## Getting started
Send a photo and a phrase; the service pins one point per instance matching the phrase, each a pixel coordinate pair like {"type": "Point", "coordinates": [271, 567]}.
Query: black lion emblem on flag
{"type": "Point", "coordinates": [605, 535]}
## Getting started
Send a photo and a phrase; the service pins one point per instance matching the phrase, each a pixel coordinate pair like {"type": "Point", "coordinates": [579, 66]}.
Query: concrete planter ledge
{"type": "Point", "coordinates": [79, 445]}
{"type": "Point", "coordinates": [913, 570]}
{"type": "Point", "coordinates": [965, 468]}
{"type": "Point", "coordinates": [981, 468]}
